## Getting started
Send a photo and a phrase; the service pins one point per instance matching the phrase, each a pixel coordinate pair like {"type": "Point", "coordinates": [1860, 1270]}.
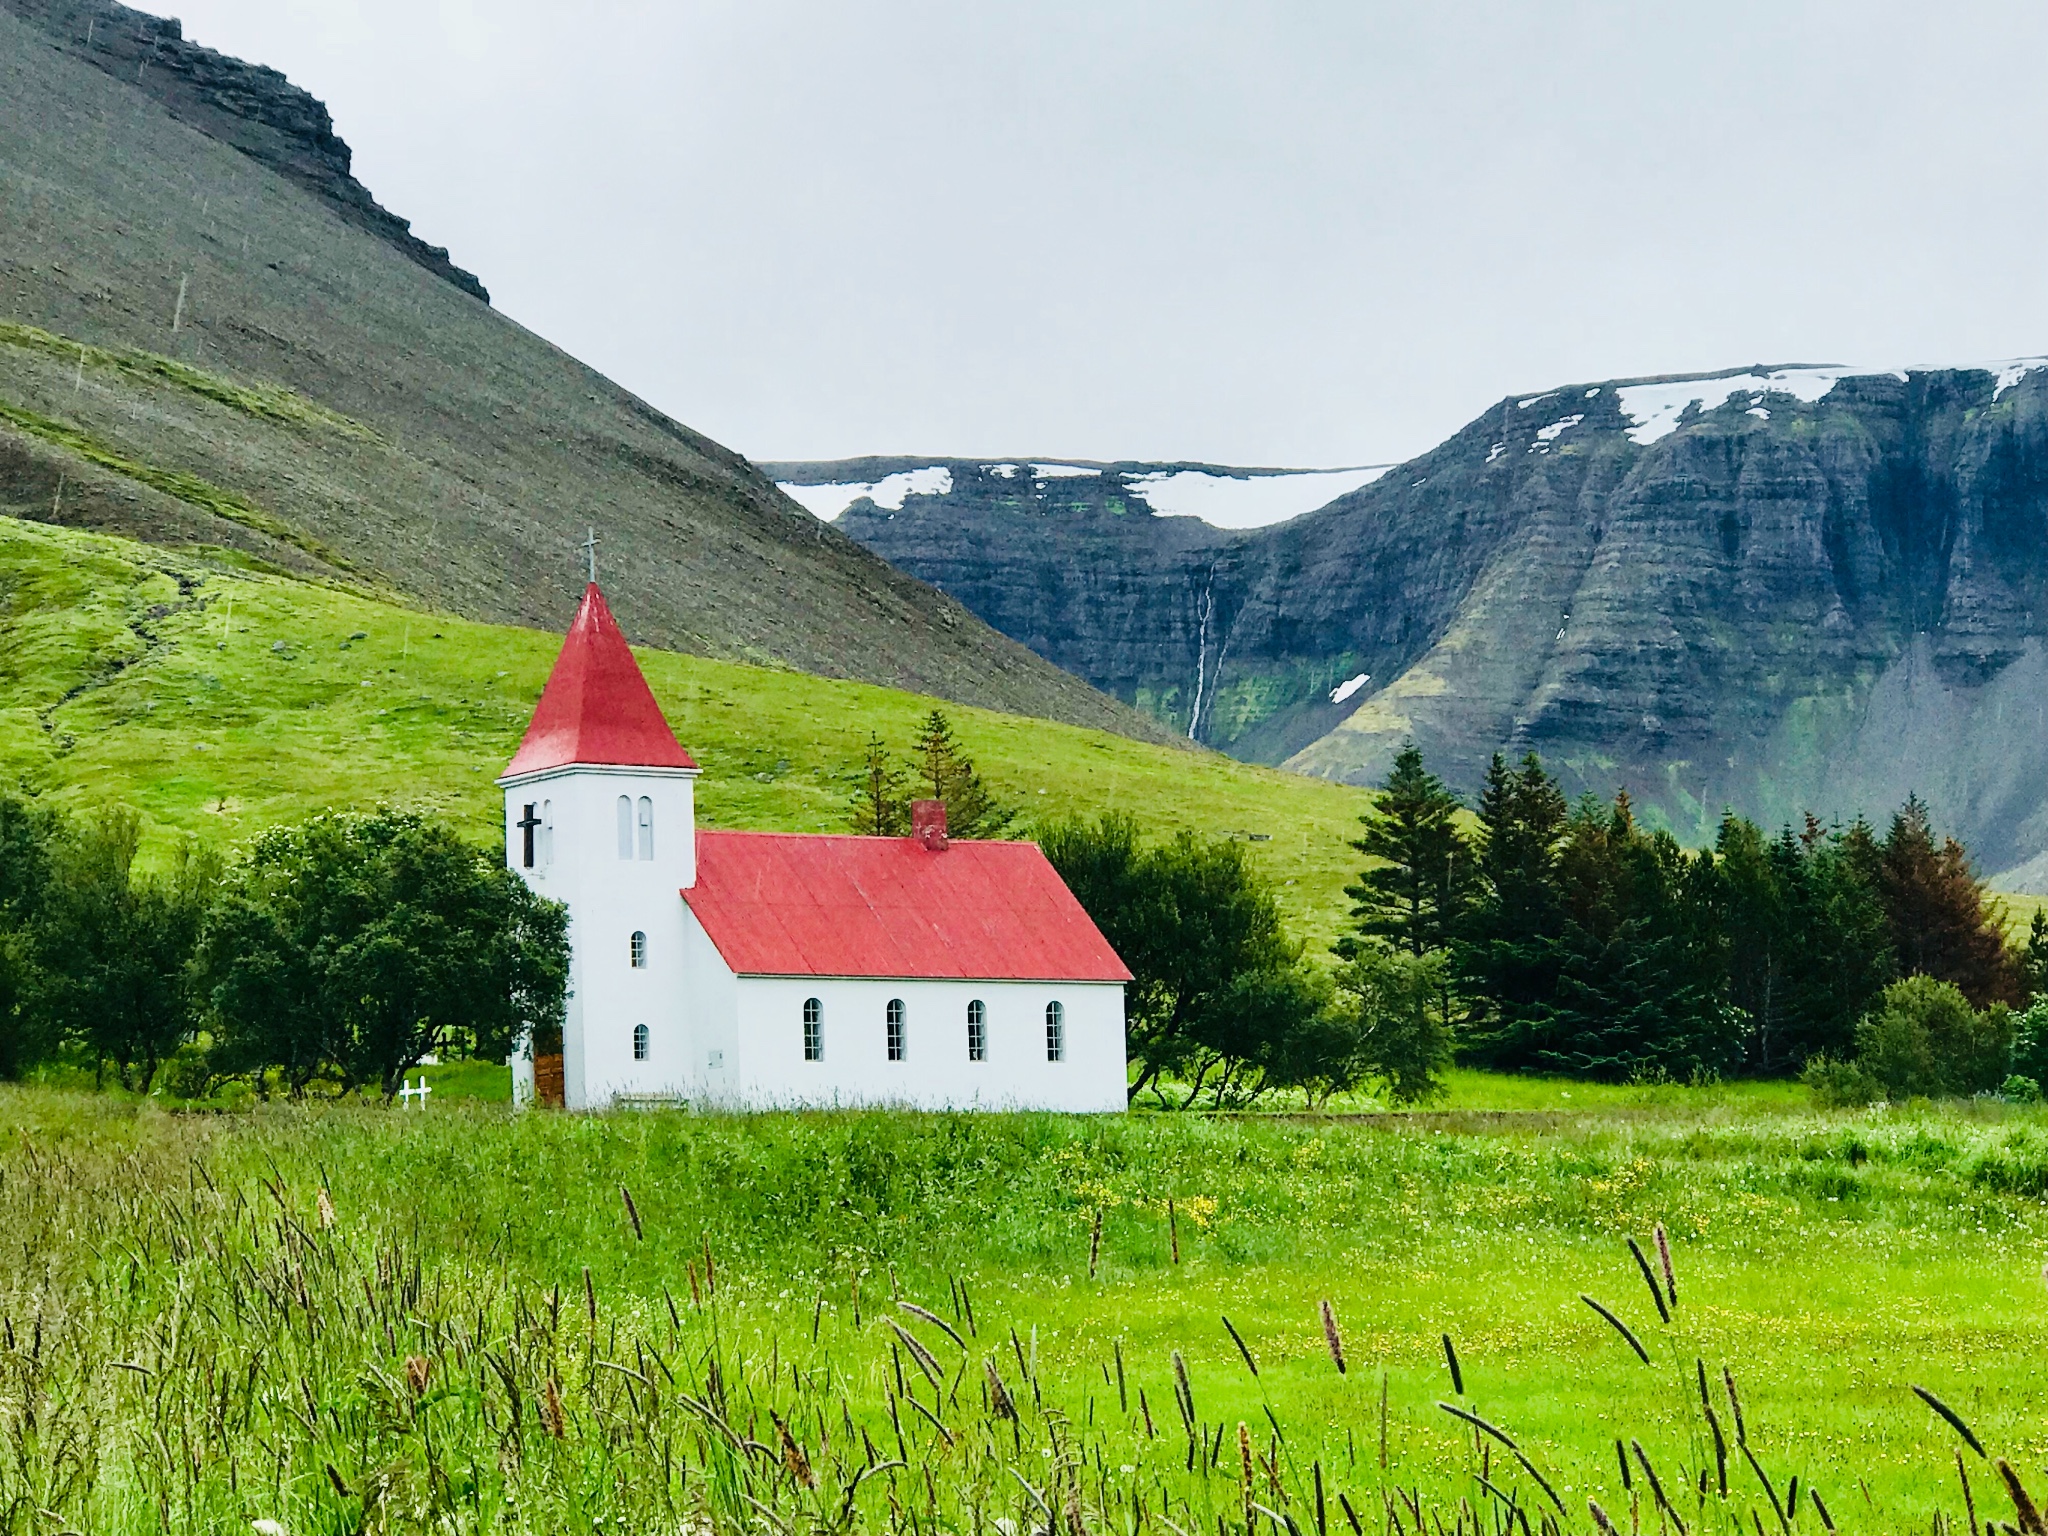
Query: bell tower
{"type": "Point", "coordinates": [600, 814]}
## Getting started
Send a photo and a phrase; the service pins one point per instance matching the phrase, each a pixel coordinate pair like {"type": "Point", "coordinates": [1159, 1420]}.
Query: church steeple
{"type": "Point", "coordinates": [597, 707]}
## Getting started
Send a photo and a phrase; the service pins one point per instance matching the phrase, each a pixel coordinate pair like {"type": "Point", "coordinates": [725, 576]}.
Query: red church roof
{"type": "Point", "coordinates": [781, 904]}
{"type": "Point", "coordinates": [597, 707]}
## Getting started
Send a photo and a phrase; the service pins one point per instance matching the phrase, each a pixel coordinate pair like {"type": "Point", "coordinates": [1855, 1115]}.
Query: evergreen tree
{"type": "Point", "coordinates": [948, 775]}
{"type": "Point", "coordinates": [2034, 958]}
{"type": "Point", "coordinates": [1508, 958]}
{"type": "Point", "coordinates": [1761, 891]}
{"type": "Point", "coordinates": [1940, 923]}
{"type": "Point", "coordinates": [1841, 946]}
{"type": "Point", "coordinates": [879, 807]}
{"type": "Point", "coordinates": [1641, 966]}
{"type": "Point", "coordinates": [1415, 898]}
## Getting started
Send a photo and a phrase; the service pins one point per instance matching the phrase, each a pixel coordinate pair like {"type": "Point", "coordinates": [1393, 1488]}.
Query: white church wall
{"type": "Point", "coordinates": [711, 1007]}
{"type": "Point", "coordinates": [769, 1069]}
{"type": "Point", "coordinates": [578, 860]}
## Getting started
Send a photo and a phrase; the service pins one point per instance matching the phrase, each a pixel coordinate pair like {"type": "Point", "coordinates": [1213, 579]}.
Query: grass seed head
{"type": "Point", "coordinates": [2022, 1502]}
{"type": "Point", "coordinates": [1332, 1337]}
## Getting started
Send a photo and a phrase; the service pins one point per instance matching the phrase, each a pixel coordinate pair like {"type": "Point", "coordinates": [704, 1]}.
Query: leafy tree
{"type": "Point", "coordinates": [880, 806]}
{"type": "Point", "coordinates": [1924, 1039]}
{"type": "Point", "coordinates": [112, 949]}
{"type": "Point", "coordinates": [1218, 994]}
{"type": "Point", "coordinates": [2030, 1041]}
{"type": "Point", "coordinates": [352, 946]}
{"type": "Point", "coordinates": [1940, 923]}
{"type": "Point", "coordinates": [1400, 1037]}
{"type": "Point", "coordinates": [1416, 896]}
{"type": "Point", "coordinates": [948, 775]}
{"type": "Point", "coordinates": [27, 833]}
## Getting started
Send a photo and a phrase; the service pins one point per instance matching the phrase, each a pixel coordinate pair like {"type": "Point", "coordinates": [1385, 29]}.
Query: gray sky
{"type": "Point", "coordinates": [1313, 233]}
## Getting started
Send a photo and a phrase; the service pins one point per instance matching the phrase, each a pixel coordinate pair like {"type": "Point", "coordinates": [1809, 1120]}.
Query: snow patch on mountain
{"type": "Point", "coordinates": [1249, 501]}
{"type": "Point", "coordinates": [828, 501]}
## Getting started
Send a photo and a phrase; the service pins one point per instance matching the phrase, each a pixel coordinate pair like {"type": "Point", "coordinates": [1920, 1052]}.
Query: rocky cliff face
{"type": "Point", "coordinates": [1771, 589]}
{"type": "Point", "coordinates": [254, 109]}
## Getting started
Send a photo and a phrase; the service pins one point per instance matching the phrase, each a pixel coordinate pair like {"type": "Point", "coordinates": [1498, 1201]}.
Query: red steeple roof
{"type": "Point", "coordinates": [597, 708]}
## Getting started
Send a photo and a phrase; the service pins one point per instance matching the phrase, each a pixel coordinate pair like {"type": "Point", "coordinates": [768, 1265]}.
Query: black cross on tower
{"type": "Point", "coordinates": [526, 824]}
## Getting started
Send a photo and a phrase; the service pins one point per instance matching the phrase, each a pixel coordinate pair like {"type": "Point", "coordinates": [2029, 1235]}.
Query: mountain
{"type": "Point", "coordinates": [1770, 589]}
{"type": "Point", "coordinates": [211, 334]}
{"type": "Point", "coordinates": [1111, 570]}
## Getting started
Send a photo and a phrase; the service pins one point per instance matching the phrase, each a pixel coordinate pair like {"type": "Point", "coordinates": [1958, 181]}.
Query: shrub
{"type": "Point", "coordinates": [2020, 1090]}
{"type": "Point", "coordinates": [1924, 1038]}
{"type": "Point", "coordinates": [1840, 1084]}
{"type": "Point", "coordinates": [2030, 1042]}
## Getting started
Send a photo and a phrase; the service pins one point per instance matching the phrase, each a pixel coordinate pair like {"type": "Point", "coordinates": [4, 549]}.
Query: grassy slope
{"type": "Point", "coordinates": [1831, 1260]}
{"type": "Point", "coordinates": [156, 678]}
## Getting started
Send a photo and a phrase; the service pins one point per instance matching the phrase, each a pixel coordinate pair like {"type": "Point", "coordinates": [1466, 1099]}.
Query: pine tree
{"type": "Point", "coordinates": [1940, 923]}
{"type": "Point", "coordinates": [949, 776]}
{"type": "Point", "coordinates": [879, 806]}
{"type": "Point", "coordinates": [1508, 958]}
{"type": "Point", "coordinates": [2034, 959]}
{"type": "Point", "coordinates": [1415, 898]}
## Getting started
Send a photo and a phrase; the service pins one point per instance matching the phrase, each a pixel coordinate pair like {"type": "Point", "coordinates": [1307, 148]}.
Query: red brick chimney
{"type": "Point", "coordinates": [928, 823]}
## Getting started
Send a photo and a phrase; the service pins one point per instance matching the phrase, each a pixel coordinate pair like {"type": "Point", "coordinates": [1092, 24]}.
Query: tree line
{"type": "Point", "coordinates": [1575, 940]}
{"type": "Point", "coordinates": [1535, 935]}
{"type": "Point", "coordinates": [1524, 934]}
{"type": "Point", "coordinates": [339, 952]}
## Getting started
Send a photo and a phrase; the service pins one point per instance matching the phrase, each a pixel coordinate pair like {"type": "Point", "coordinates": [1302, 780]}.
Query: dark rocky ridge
{"type": "Point", "coordinates": [254, 109]}
{"type": "Point", "coordinates": [1781, 604]}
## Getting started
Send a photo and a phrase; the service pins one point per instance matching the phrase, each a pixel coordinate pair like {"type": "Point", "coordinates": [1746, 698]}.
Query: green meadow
{"type": "Point", "coordinates": [690, 1323]}
{"type": "Point", "coordinates": [218, 699]}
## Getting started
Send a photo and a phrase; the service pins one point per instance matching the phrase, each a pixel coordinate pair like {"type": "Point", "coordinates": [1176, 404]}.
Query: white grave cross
{"type": "Point", "coordinates": [407, 1093]}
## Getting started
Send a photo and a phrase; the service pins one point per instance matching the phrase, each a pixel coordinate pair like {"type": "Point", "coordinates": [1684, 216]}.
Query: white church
{"type": "Point", "coordinates": [763, 970]}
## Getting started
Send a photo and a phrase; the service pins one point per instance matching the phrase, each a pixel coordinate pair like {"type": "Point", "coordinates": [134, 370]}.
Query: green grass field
{"type": "Point", "coordinates": [482, 1340]}
{"type": "Point", "coordinates": [218, 699]}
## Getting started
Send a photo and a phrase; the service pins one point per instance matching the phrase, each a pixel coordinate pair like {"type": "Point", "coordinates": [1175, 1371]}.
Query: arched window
{"type": "Point", "coordinates": [646, 828]}
{"type": "Point", "coordinates": [638, 947]}
{"type": "Point", "coordinates": [977, 1031]}
{"type": "Point", "coordinates": [547, 833]}
{"type": "Point", "coordinates": [814, 1030]}
{"type": "Point", "coordinates": [896, 1041]}
{"type": "Point", "coordinates": [639, 1042]}
{"type": "Point", "coordinates": [1055, 1032]}
{"type": "Point", "coordinates": [625, 826]}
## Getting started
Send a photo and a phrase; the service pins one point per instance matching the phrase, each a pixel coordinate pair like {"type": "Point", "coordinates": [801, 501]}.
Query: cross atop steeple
{"type": "Point", "coordinates": [590, 549]}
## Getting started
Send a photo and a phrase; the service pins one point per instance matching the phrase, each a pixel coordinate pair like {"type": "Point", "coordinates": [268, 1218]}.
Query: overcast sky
{"type": "Point", "coordinates": [1262, 233]}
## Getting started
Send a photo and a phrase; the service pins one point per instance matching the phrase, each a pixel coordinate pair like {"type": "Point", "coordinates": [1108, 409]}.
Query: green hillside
{"type": "Point", "coordinates": [217, 699]}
